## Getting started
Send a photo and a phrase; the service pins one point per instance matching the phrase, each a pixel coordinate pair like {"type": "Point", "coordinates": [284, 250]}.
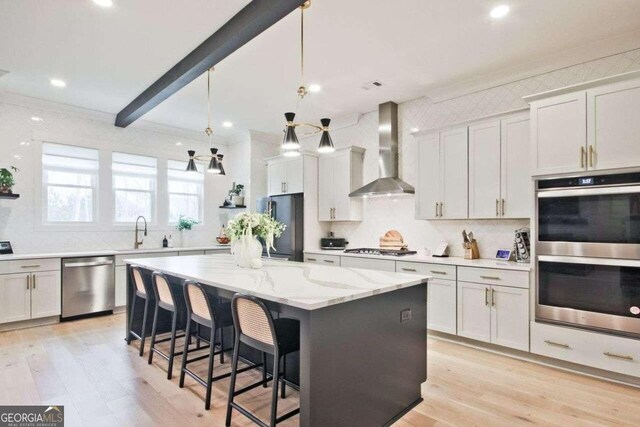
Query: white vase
{"type": "Point", "coordinates": [247, 252]}
{"type": "Point", "coordinates": [185, 237]}
{"type": "Point", "coordinates": [237, 200]}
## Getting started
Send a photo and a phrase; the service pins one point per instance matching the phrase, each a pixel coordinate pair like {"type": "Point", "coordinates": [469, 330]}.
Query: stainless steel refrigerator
{"type": "Point", "coordinates": [289, 210]}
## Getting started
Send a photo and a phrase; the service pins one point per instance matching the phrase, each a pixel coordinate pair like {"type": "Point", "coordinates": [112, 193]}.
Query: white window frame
{"type": "Point", "coordinates": [43, 187]}
{"type": "Point", "coordinates": [201, 174]}
{"type": "Point", "coordinates": [153, 192]}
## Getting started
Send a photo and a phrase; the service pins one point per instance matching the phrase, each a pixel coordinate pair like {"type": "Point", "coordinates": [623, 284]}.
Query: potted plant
{"type": "Point", "coordinates": [237, 197]}
{"type": "Point", "coordinates": [244, 230]}
{"type": "Point", "coordinates": [6, 179]}
{"type": "Point", "coordinates": [185, 224]}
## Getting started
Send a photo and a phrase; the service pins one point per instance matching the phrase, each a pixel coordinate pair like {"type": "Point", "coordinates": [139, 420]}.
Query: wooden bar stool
{"type": "Point", "coordinates": [255, 327]}
{"type": "Point", "coordinates": [205, 311]}
{"type": "Point", "coordinates": [140, 292]}
{"type": "Point", "coordinates": [165, 300]}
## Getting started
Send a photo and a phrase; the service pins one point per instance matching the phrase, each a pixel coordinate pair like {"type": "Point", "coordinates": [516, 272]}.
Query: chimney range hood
{"type": "Point", "coordinates": [388, 184]}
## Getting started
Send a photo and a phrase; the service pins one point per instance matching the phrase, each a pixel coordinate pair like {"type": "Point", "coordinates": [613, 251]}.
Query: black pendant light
{"type": "Point", "coordinates": [191, 166]}
{"type": "Point", "coordinates": [326, 144]}
{"type": "Point", "coordinates": [214, 165]}
{"type": "Point", "coordinates": [290, 141]}
{"type": "Point", "coordinates": [220, 166]}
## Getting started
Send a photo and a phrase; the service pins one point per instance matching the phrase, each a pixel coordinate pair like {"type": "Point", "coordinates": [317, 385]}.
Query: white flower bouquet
{"type": "Point", "coordinates": [255, 224]}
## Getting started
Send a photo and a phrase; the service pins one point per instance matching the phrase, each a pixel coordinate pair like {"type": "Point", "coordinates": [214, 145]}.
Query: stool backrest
{"type": "Point", "coordinates": [137, 280]}
{"type": "Point", "coordinates": [197, 300]}
{"type": "Point", "coordinates": [253, 319]}
{"type": "Point", "coordinates": [162, 289]}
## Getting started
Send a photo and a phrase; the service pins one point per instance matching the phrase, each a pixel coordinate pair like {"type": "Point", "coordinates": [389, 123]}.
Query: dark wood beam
{"type": "Point", "coordinates": [252, 20]}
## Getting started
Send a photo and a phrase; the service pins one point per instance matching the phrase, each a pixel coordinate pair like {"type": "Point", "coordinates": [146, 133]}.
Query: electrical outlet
{"type": "Point", "coordinates": [405, 315]}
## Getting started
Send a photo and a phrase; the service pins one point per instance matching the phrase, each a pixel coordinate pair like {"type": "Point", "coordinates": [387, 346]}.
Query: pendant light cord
{"type": "Point", "coordinates": [302, 46]}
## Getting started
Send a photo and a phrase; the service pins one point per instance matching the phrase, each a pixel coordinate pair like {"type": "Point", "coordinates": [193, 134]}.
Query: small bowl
{"type": "Point", "coordinates": [223, 240]}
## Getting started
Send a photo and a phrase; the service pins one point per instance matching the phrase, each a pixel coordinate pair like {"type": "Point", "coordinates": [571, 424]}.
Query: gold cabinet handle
{"type": "Point", "coordinates": [618, 356]}
{"type": "Point", "coordinates": [493, 297]}
{"type": "Point", "coordinates": [408, 269]}
{"type": "Point", "coordinates": [33, 281]}
{"type": "Point", "coordinates": [30, 266]}
{"type": "Point", "coordinates": [436, 209]}
{"type": "Point", "coordinates": [497, 204]}
{"type": "Point", "coordinates": [582, 156]}
{"type": "Point", "coordinates": [28, 281]}
{"type": "Point", "coordinates": [557, 344]}
{"type": "Point", "coordinates": [329, 261]}
{"type": "Point", "coordinates": [441, 206]}
{"type": "Point", "coordinates": [490, 277]}
{"type": "Point", "coordinates": [592, 155]}
{"type": "Point", "coordinates": [438, 272]}
{"type": "Point", "coordinates": [311, 259]}
{"type": "Point", "coordinates": [486, 297]}
{"type": "Point", "coordinates": [502, 207]}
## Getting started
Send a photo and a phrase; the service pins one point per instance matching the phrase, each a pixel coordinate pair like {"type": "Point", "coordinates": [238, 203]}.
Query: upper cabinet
{"type": "Point", "coordinates": [286, 175]}
{"type": "Point", "coordinates": [339, 174]}
{"type": "Point", "coordinates": [590, 128]}
{"type": "Point", "coordinates": [499, 178]}
{"type": "Point", "coordinates": [442, 190]}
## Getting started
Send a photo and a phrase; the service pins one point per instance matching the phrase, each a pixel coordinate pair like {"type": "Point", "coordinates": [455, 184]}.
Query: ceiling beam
{"type": "Point", "coordinates": [252, 20]}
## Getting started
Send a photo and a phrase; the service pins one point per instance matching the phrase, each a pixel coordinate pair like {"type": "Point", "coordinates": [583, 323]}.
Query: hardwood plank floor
{"type": "Point", "coordinates": [87, 366]}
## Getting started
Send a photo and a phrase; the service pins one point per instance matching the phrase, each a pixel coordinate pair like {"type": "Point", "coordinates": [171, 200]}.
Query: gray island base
{"type": "Point", "coordinates": [363, 344]}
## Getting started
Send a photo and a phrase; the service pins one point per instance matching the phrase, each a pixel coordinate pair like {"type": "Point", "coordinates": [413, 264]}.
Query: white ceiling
{"type": "Point", "coordinates": [414, 47]}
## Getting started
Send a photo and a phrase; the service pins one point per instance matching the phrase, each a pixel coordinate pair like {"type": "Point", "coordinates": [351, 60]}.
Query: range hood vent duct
{"type": "Point", "coordinates": [388, 184]}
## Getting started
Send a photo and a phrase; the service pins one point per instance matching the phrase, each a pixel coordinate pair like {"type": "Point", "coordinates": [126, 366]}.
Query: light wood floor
{"type": "Point", "coordinates": [87, 367]}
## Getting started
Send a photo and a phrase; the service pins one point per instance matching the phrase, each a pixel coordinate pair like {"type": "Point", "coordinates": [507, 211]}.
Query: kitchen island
{"type": "Point", "coordinates": [363, 343]}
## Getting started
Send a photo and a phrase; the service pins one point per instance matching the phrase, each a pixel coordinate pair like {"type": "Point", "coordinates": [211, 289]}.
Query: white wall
{"type": "Point", "coordinates": [382, 214]}
{"type": "Point", "coordinates": [18, 220]}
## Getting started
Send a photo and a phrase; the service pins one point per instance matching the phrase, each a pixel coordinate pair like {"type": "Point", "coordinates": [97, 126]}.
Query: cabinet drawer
{"type": "Point", "coordinates": [189, 253]}
{"type": "Point", "coordinates": [217, 251]}
{"type": "Point", "coordinates": [611, 353]}
{"type": "Point", "coordinates": [368, 263]}
{"type": "Point", "coordinates": [492, 276]}
{"type": "Point", "coordinates": [120, 258]}
{"type": "Point", "coordinates": [30, 265]}
{"type": "Point", "coordinates": [437, 271]}
{"type": "Point", "coordinates": [322, 259]}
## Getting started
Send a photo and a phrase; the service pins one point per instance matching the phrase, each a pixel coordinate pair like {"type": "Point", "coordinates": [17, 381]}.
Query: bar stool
{"type": "Point", "coordinates": [165, 300]}
{"type": "Point", "coordinates": [204, 311]}
{"type": "Point", "coordinates": [139, 292]}
{"type": "Point", "coordinates": [255, 327]}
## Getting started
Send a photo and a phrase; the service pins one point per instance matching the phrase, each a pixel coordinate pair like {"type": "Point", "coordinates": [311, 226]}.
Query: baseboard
{"type": "Point", "coordinates": [540, 360]}
{"type": "Point", "coordinates": [24, 324]}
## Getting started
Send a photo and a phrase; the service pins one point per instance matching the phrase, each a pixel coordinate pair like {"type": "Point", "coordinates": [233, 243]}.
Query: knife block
{"type": "Point", "coordinates": [471, 250]}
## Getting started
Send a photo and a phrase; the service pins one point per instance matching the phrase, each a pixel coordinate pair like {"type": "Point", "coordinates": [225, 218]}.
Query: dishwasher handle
{"type": "Point", "coordinates": [87, 264]}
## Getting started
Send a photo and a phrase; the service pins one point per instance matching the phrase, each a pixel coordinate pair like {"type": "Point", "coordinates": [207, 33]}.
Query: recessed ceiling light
{"type": "Point", "coordinates": [499, 11]}
{"type": "Point", "coordinates": [17, 156]}
{"type": "Point", "coordinates": [178, 143]}
{"type": "Point", "coordinates": [227, 124]}
{"type": "Point", "coordinates": [104, 3]}
{"type": "Point", "coordinates": [23, 143]}
{"type": "Point", "coordinates": [315, 88]}
{"type": "Point", "coordinates": [37, 119]}
{"type": "Point", "coordinates": [414, 130]}
{"type": "Point", "coordinates": [58, 83]}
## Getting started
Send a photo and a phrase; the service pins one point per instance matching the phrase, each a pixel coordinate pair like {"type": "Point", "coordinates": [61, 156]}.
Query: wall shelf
{"type": "Point", "coordinates": [9, 196]}
{"type": "Point", "coordinates": [233, 207]}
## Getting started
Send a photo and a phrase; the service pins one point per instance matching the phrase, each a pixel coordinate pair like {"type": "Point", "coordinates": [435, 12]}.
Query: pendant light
{"type": "Point", "coordinates": [215, 160]}
{"type": "Point", "coordinates": [290, 143]}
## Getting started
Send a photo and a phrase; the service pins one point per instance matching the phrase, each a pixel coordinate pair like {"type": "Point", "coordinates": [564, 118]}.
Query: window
{"type": "Point", "coordinates": [134, 187]}
{"type": "Point", "coordinates": [70, 183]}
{"type": "Point", "coordinates": [185, 191]}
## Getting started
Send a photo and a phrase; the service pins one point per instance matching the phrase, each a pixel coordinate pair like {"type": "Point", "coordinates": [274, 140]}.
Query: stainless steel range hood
{"type": "Point", "coordinates": [388, 184]}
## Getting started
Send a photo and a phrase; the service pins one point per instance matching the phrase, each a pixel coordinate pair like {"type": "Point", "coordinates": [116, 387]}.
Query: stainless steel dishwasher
{"type": "Point", "coordinates": [88, 285]}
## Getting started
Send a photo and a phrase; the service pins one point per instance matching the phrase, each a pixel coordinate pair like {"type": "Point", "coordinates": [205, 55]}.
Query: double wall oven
{"type": "Point", "coordinates": [588, 252]}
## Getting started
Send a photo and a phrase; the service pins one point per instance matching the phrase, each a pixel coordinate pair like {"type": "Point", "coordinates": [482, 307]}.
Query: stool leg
{"type": "Point", "coordinates": [274, 396]}
{"type": "Point", "coordinates": [232, 383]}
{"type": "Point", "coordinates": [153, 333]}
{"type": "Point", "coordinates": [197, 335]}
{"type": "Point", "coordinates": [184, 353]}
{"type": "Point", "coordinates": [143, 333]}
{"type": "Point", "coordinates": [133, 309]}
{"type": "Point", "coordinates": [221, 346]}
{"type": "Point", "coordinates": [284, 372]}
{"type": "Point", "coordinates": [212, 349]}
{"type": "Point", "coordinates": [264, 369]}
{"type": "Point", "coordinates": [172, 349]}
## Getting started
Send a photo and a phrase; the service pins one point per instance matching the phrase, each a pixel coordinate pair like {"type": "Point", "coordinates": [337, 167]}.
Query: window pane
{"type": "Point", "coordinates": [69, 178]}
{"type": "Point", "coordinates": [132, 182]}
{"type": "Point", "coordinates": [131, 204]}
{"type": "Point", "coordinates": [183, 205]}
{"type": "Point", "coordinates": [185, 187]}
{"type": "Point", "coordinates": [69, 204]}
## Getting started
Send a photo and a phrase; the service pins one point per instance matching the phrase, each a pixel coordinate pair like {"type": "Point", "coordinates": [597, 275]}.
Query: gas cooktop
{"type": "Point", "coordinates": [378, 251]}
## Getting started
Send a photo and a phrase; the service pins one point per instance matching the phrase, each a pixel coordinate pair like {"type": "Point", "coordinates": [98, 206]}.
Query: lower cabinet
{"type": "Point", "coordinates": [494, 314]}
{"type": "Point", "coordinates": [25, 296]}
{"type": "Point", "coordinates": [322, 259]}
{"type": "Point", "coordinates": [121, 285]}
{"type": "Point", "coordinates": [441, 305]}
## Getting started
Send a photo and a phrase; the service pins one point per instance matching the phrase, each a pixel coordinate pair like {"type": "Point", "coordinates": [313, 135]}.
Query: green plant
{"type": "Point", "coordinates": [6, 177]}
{"type": "Point", "coordinates": [186, 223]}
{"type": "Point", "coordinates": [237, 189]}
{"type": "Point", "coordinates": [255, 224]}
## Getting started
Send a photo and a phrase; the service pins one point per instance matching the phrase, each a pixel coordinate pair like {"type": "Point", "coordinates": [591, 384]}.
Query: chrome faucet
{"type": "Point", "coordinates": [137, 243]}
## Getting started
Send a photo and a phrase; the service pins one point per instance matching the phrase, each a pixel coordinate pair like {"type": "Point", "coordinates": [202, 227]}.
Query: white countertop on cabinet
{"type": "Point", "coordinates": [107, 252]}
{"type": "Point", "coordinates": [480, 263]}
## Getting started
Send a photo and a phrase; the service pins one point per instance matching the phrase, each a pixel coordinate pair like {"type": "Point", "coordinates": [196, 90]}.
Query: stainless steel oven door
{"type": "Point", "coordinates": [591, 222]}
{"type": "Point", "coordinates": [592, 293]}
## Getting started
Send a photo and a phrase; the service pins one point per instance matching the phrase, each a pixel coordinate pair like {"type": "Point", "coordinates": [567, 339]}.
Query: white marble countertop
{"type": "Point", "coordinates": [106, 252]}
{"type": "Point", "coordinates": [480, 263]}
{"type": "Point", "coordinates": [303, 285]}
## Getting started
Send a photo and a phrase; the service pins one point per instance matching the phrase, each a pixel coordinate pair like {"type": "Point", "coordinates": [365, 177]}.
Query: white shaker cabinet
{"type": "Point", "coordinates": [15, 297]}
{"type": "Point", "coordinates": [509, 317]}
{"type": "Point", "coordinates": [613, 126]}
{"type": "Point", "coordinates": [340, 173]}
{"type": "Point", "coordinates": [285, 175]}
{"type": "Point", "coordinates": [515, 182]}
{"type": "Point", "coordinates": [558, 134]}
{"type": "Point", "coordinates": [277, 172]}
{"type": "Point", "coordinates": [474, 311]}
{"type": "Point", "coordinates": [121, 285]}
{"type": "Point", "coordinates": [45, 294]}
{"type": "Point", "coordinates": [484, 170]}
{"type": "Point", "coordinates": [443, 176]}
